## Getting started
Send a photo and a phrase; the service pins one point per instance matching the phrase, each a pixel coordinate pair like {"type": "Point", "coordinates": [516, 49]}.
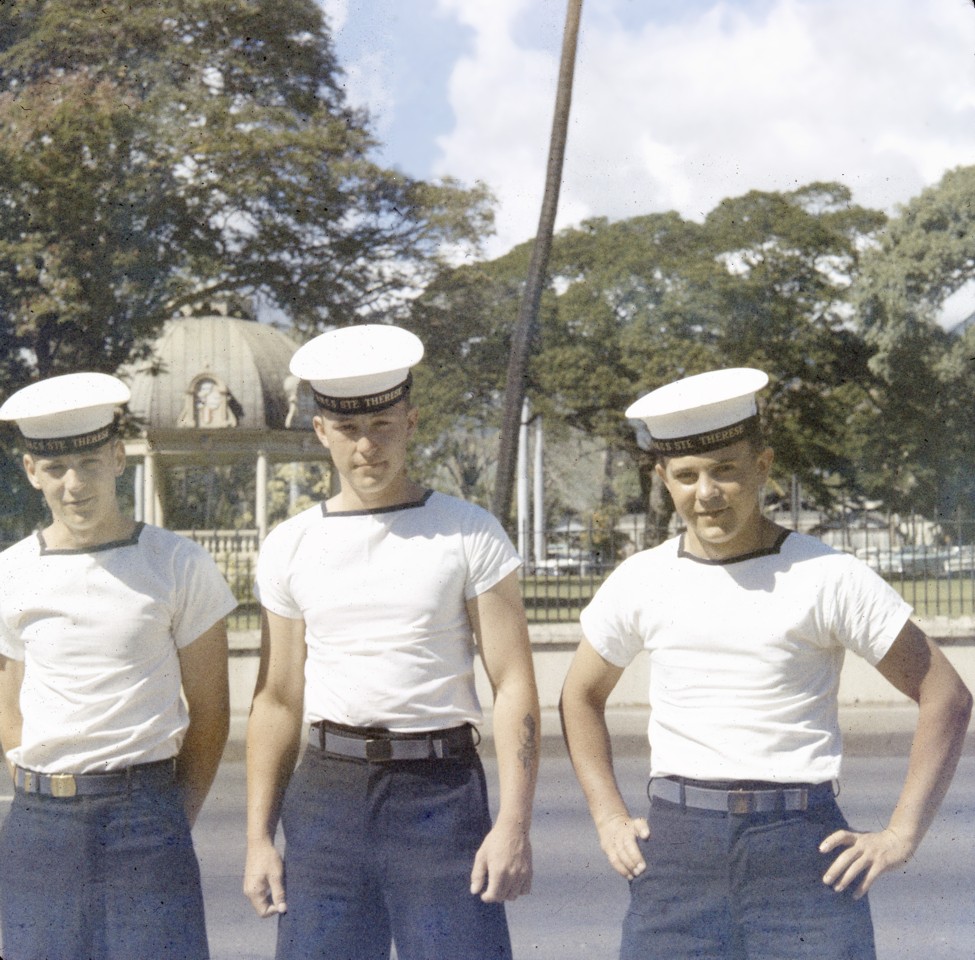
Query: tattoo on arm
{"type": "Point", "coordinates": [528, 748]}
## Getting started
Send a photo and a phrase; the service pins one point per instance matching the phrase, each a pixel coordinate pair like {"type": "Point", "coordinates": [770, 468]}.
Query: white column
{"type": "Point", "coordinates": [538, 513]}
{"type": "Point", "coordinates": [260, 496]}
{"type": "Point", "coordinates": [293, 488]}
{"type": "Point", "coordinates": [522, 487]}
{"type": "Point", "coordinates": [138, 492]}
{"type": "Point", "coordinates": [149, 489]}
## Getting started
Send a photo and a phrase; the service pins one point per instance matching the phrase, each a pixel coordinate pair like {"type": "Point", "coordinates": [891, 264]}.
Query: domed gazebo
{"type": "Point", "coordinates": [217, 390]}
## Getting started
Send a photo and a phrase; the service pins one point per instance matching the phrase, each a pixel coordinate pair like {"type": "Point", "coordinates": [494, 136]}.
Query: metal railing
{"type": "Point", "coordinates": [931, 564]}
{"type": "Point", "coordinates": [235, 554]}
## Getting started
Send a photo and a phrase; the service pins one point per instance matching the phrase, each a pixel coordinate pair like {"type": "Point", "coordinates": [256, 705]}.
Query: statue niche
{"type": "Point", "coordinates": [208, 404]}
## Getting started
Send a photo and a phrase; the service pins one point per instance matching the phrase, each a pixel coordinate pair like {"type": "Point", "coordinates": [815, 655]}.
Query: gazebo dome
{"type": "Point", "coordinates": [217, 390]}
{"type": "Point", "coordinates": [217, 372]}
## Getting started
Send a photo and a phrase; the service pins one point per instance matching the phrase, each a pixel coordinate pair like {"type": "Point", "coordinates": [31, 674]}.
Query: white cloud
{"type": "Point", "coordinates": [337, 12]}
{"type": "Point", "coordinates": [367, 84]}
{"type": "Point", "coordinates": [879, 94]}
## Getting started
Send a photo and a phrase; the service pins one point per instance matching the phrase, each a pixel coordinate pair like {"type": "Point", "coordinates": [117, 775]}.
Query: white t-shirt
{"type": "Point", "coordinates": [382, 594]}
{"type": "Point", "coordinates": [98, 631]}
{"type": "Point", "coordinates": [745, 656]}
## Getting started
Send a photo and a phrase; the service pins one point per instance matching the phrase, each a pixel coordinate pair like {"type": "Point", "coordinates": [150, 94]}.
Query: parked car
{"type": "Point", "coordinates": [960, 561]}
{"type": "Point", "coordinates": [885, 562]}
{"type": "Point", "coordinates": [923, 561]}
{"type": "Point", "coordinates": [907, 562]}
{"type": "Point", "coordinates": [574, 563]}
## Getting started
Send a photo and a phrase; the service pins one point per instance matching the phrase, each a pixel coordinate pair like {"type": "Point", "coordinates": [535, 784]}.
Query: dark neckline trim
{"type": "Point", "coordinates": [767, 552]}
{"type": "Point", "coordinates": [130, 541]}
{"type": "Point", "coordinates": [410, 505]}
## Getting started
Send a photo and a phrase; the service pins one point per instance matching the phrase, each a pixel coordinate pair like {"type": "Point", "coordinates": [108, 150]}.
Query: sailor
{"type": "Point", "coordinates": [374, 603]}
{"type": "Point", "coordinates": [113, 699]}
{"type": "Point", "coordinates": [744, 852]}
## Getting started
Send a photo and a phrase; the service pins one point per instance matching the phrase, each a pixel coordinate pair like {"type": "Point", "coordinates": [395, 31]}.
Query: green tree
{"type": "Point", "coordinates": [787, 263]}
{"type": "Point", "coordinates": [151, 154]}
{"type": "Point", "coordinates": [921, 453]}
{"type": "Point", "coordinates": [765, 280]}
{"type": "Point", "coordinates": [465, 318]}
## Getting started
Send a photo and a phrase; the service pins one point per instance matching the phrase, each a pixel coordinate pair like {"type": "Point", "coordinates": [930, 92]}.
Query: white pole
{"type": "Point", "coordinates": [522, 491]}
{"type": "Point", "coordinates": [293, 488]}
{"type": "Point", "coordinates": [138, 492]}
{"type": "Point", "coordinates": [260, 496]}
{"type": "Point", "coordinates": [149, 495]}
{"type": "Point", "coordinates": [539, 478]}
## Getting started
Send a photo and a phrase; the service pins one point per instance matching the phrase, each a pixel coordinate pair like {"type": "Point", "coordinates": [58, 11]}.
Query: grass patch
{"type": "Point", "coordinates": [938, 597]}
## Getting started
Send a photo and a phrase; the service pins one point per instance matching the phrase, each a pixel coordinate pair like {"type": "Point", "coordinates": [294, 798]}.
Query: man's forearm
{"type": "Point", "coordinates": [198, 760]}
{"type": "Point", "coordinates": [517, 738]}
{"type": "Point", "coordinates": [590, 750]}
{"type": "Point", "coordinates": [273, 742]}
{"type": "Point", "coordinates": [937, 746]}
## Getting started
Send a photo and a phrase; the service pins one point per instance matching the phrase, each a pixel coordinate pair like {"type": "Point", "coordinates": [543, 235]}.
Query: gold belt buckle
{"type": "Point", "coordinates": [63, 785]}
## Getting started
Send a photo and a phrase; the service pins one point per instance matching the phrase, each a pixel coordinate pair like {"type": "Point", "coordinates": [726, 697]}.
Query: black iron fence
{"type": "Point", "coordinates": [931, 564]}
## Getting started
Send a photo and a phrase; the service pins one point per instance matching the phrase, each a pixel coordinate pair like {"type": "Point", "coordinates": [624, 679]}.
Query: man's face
{"type": "Point", "coordinates": [79, 488]}
{"type": "Point", "coordinates": [717, 496]}
{"type": "Point", "coordinates": [369, 451]}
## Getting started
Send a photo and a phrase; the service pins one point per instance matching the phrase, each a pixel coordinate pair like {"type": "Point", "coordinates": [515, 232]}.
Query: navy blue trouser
{"type": "Point", "coordinates": [728, 887]}
{"type": "Point", "coordinates": [100, 878]}
{"type": "Point", "coordinates": [382, 852]}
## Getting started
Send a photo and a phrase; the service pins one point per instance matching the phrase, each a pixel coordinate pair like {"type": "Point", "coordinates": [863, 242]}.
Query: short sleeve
{"type": "Point", "coordinates": [203, 595]}
{"type": "Point", "coordinates": [13, 565]}
{"type": "Point", "coordinates": [491, 556]}
{"type": "Point", "coordinates": [11, 646]}
{"type": "Point", "coordinates": [607, 621]}
{"type": "Point", "coordinates": [867, 612]}
{"type": "Point", "coordinates": [273, 563]}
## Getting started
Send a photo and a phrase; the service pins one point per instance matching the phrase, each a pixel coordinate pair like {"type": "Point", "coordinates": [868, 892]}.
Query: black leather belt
{"type": "Point", "coordinates": [161, 773]}
{"type": "Point", "coordinates": [737, 801]}
{"type": "Point", "coordinates": [374, 745]}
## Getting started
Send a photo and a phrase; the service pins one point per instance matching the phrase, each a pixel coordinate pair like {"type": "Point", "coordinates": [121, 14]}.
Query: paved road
{"type": "Point", "coordinates": [578, 902]}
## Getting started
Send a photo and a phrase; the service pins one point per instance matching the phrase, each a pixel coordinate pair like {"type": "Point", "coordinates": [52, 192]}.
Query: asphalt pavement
{"type": "Point", "coordinates": [577, 902]}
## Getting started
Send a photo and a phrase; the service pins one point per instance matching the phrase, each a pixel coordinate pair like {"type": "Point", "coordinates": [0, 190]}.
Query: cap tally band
{"type": "Point", "coordinates": [367, 404]}
{"type": "Point", "coordinates": [711, 440]}
{"type": "Point", "coordinates": [58, 446]}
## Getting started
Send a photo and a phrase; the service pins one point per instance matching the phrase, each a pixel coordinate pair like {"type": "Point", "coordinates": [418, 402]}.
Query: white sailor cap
{"type": "Point", "coordinates": [359, 369]}
{"type": "Point", "coordinates": [702, 412]}
{"type": "Point", "coordinates": [66, 414]}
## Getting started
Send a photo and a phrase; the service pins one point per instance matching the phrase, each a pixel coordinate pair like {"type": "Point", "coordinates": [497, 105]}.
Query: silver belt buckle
{"type": "Point", "coordinates": [741, 802]}
{"type": "Point", "coordinates": [800, 801]}
{"type": "Point", "coordinates": [379, 750]}
{"type": "Point", "coordinates": [63, 785]}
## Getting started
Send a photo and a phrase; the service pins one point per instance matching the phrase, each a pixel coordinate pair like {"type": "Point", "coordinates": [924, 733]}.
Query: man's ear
{"type": "Point", "coordinates": [29, 470]}
{"type": "Point", "coordinates": [119, 452]}
{"type": "Point", "coordinates": [319, 426]}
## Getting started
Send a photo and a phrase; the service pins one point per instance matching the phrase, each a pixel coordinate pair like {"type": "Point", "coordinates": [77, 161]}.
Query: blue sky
{"type": "Point", "coordinates": [678, 103]}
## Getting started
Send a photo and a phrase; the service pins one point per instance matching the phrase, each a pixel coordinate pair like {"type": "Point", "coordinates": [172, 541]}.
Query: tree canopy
{"type": "Point", "coordinates": [152, 154]}
{"type": "Point", "coordinates": [764, 281]}
{"type": "Point", "coordinates": [920, 451]}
